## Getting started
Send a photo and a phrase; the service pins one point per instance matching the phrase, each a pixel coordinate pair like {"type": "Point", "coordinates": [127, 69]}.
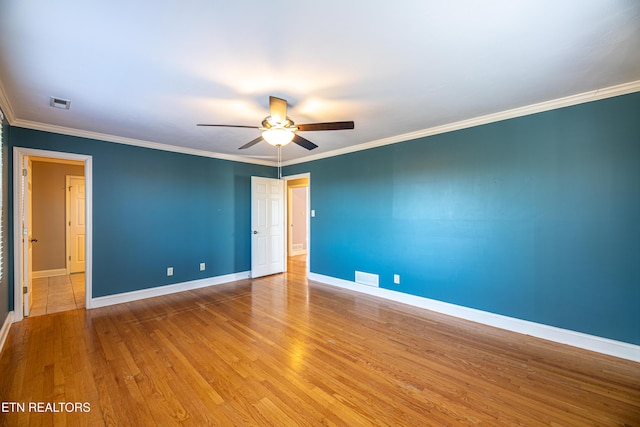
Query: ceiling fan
{"type": "Point", "coordinates": [278, 129]}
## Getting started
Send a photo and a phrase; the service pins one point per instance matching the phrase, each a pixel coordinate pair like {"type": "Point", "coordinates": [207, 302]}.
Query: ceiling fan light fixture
{"type": "Point", "coordinates": [279, 130]}
{"type": "Point", "coordinates": [278, 136]}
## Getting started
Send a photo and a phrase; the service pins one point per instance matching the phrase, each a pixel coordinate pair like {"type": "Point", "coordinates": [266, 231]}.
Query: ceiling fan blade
{"type": "Point", "coordinates": [230, 126]}
{"type": "Point", "coordinates": [326, 126]}
{"type": "Point", "coordinates": [277, 108]}
{"type": "Point", "coordinates": [304, 142]}
{"type": "Point", "coordinates": [251, 143]}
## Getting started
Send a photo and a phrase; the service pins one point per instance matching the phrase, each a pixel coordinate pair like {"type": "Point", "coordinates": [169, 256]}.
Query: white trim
{"type": "Point", "coordinates": [18, 153]}
{"type": "Point", "coordinates": [49, 273]}
{"type": "Point", "coordinates": [5, 105]}
{"type": "Point", "coordinates": [167, 289]}
{"type": "Point", "coordinates": [4, 331]}
{"type": "Point", "coordinates": [581, 98]}
{"type": "Point", "coordinates": [28, 124]}
{"type": "Point", "coordinates": [563, 336]}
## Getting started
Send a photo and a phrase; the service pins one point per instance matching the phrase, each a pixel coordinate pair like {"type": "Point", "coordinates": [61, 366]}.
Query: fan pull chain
{"type": "Point", "coordinates": [279, 162]}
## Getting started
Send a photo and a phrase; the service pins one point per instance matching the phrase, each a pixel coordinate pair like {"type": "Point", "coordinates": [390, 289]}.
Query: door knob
{"type": "Point", "coordinates": [33, 240]}
{"type": "Point", "coordinates": [255, 231]}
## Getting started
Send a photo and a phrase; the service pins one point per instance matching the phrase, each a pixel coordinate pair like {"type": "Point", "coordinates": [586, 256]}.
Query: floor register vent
{"type": "Point", "coordinates": [367, 279]}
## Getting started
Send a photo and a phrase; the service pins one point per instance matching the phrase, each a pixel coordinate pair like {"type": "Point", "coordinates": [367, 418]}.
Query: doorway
{"type": "Point", "coordinates": [298, 220]}
{"type": "Point", "coordinates": [274, 251]}
{"type": "Point", "coordinates": [44, 282]}
{"type": "Point", "coordinates": [58, 231]}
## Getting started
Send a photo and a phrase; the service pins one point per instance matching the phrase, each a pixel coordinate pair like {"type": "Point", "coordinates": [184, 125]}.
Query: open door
{"type": "Point", "coordinates": [75, 196]}
{"type": "Point", "coordinates": [27, 236]}
{"type": "Point", "coordinates": [267, 226]}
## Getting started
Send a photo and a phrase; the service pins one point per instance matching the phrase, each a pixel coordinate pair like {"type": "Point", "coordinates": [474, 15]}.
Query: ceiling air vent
{"type": "Point", "coordinates": [60, 103]}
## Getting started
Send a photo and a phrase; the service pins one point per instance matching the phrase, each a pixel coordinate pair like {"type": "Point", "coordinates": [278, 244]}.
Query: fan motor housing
{"type": "Point", "coordinates": [267, 123]}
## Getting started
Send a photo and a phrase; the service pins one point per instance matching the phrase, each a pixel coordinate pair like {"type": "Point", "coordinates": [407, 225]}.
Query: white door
{"type": "Point", "coordinates": [267, 226]}
{"type": "Point", "coordinates": [27, 236]}
{"type": "Point", "coordinates": [75, 224]}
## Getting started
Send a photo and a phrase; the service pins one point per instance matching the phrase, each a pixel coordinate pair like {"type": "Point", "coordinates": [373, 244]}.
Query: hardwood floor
{"type": "Point", "coordinates": [280, 351]}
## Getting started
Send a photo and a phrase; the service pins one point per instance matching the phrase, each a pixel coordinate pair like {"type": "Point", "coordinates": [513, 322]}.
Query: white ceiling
{"type": "Point", "coordinates": [148, 71]}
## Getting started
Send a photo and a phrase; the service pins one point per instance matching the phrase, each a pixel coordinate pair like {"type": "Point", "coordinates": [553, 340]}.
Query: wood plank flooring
{"type": "Point", "coordinates": [282, 351]}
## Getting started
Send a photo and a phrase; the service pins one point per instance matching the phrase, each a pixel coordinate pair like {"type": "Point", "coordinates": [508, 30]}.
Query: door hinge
{"type": "Point", "coordinates": [24, 289]}
{"type": "Point", "coordinates": [24, 172]}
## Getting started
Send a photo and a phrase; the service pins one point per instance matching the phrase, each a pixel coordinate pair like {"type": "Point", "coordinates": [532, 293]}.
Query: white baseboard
{"type": "Point", "coordinates": [4, 332]}
{"type": "Point", "coordinates": [564, 336]}
{"type": "Point", "coordinates": [49, 273]}
{"type": "Point", "coordinates": [166, 290]}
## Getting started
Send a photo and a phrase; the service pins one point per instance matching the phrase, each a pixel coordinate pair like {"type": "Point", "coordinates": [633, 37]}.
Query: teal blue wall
{"type": "Point", "coordinates": [154, 209]}
{"type": "Point", "coordinates": [536, 218]}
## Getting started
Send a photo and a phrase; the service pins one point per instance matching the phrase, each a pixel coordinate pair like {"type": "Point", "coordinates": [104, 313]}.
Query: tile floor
{"type": "Point", "coordinates": [59, 293]}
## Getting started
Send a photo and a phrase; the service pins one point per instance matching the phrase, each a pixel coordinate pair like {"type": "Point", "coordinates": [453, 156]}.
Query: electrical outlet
{"type": "Point", "coordinates": [202, 266]}
{"type": "Point", "coordinates": [169, 271]}
{"type": "Point", "coordinates": [396, 279]}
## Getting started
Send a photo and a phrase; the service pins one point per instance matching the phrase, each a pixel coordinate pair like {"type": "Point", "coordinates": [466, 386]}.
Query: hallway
{"type": "Point", "coordinates": [58, 293]}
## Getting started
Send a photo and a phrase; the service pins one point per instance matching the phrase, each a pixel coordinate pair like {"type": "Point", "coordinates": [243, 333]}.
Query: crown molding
{"type": "Point", "coordinates": [135, 142]}
{"type": "Point", "coordinates": [5, 106]}
{"type": "Point", "coordinates": [581, 98]}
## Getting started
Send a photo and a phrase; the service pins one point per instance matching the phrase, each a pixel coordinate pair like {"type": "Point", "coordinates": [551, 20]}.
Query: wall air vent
{"type": "Point", "coordinates": [60, 103]}
{"type": "Point", "coordinates": [367, 279]}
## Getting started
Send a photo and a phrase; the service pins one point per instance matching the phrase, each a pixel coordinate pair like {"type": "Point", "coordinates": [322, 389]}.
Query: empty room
{"type": "Point", "coordinates": [410, 213]}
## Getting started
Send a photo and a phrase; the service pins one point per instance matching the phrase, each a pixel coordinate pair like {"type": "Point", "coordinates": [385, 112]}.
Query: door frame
{"type": "Point", "coordinates": [19, 153]}
{"type": "Point", "coordinates": [27, 238]}
{"type": "Point", "coordinates": [298, 176]}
